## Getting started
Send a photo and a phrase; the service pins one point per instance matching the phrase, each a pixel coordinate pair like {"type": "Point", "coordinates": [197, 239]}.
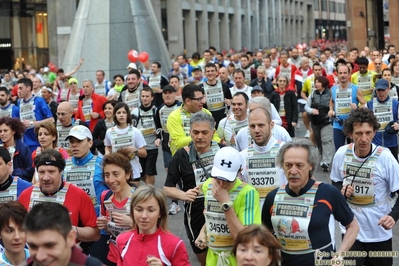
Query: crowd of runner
{"type": "Point", "coordinates": [226, 126]}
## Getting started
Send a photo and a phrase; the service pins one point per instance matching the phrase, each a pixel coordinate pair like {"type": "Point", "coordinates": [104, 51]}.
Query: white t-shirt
{"type": "Point", "coordinates": [278, 132]}
{"type": "Point", "coordinates": [385, 180]}
{"type": "Point", "coordinates": [225, 130]}
{"type": "Point", "coordinates": [139, 143]}
{"type": "Point", "coordinates": [270, 72]}
{"type": "Point", "coordinates": [113, 92]}
{"type": "Point", "coordinates": [264, 149]}
{"type": "Point", "coordinates": [275, 116]}
{"type": "Point", "coordinates": [246, 90]}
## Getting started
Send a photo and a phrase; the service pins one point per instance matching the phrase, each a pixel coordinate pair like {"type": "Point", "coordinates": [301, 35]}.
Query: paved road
{"type": "Point", "coordinates": [176, 221]}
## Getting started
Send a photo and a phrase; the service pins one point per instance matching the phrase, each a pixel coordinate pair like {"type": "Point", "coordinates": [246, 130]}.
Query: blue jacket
{"type": "Point", "coordinates": [98, 175]}
{"type": "Point", "coordinates": [383, 138]}
{"type": "Point", "coordinates": [22, 162]}
{"type": "Point", "coordinates": [42, 111]}
{"type": "Point", "coordinates": [22, 185]}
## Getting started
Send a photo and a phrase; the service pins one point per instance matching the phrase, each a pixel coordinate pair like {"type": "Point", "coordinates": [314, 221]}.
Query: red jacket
{"type": "Point", "coordinates": [162, 245]}
{"type": "Point", "coordinates": [292, 79]}
{"type": "Point", "coordinates": [98, 102]}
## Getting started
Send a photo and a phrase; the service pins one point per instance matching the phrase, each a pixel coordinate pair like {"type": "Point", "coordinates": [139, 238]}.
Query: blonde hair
{"type": "Point", "coordinates": [144, 193]}
{"type": "Point", "coordinates": [261, 68]}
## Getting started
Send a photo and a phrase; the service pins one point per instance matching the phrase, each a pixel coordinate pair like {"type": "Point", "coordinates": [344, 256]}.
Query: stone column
{"type": "Point", "coordinates": [255, 26]}
{"type": "Point", "coordinates": [203, 32]}
{"type": "Point", "coordinates": [246, 28]}
{"type": "Point", "coordinates": [60, 22]}
{"type": "Point", "coordinates": [394, 22]}
{"type": "Point", "coordinates": [156, 6]}
{"type": "Point", "coordinates": [214, 31]}
{"type": "Point", "coordinates": [235, 26]}
{"type": "Point", "coordinates": [357, 28]}
{"type": "Point", "coordinates": [224, 30]}
{"type": "Point", "coordinates": [174, 16]}
{"type": "Point", "coordinates": [190, 30]}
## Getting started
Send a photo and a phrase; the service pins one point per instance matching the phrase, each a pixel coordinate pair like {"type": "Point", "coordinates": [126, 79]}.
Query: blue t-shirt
{"type": "Point", "coordinates": [383, 138]}
{"type": "Point", "coordinates": [334, 89]}
{"type": "Point", "coordinates": [41, 111]}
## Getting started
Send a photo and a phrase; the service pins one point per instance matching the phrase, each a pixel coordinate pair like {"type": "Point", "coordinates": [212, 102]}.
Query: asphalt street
{"type": "Point", "coordinates": [176, 221]}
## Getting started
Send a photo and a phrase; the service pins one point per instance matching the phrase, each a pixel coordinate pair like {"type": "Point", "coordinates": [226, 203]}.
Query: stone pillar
{"type": "Point", "coordinates": [246, 28]}
{"type": "Point", "coordinates": [263, 25]}
{"type": "Point", "coordinates": [156, 6]}
{"type": "Point", "coordinates": [255, 26]}
{"type": "Point", "coordinates": [357, 28]}
{"type": "Point", "coordinates": [174, 16]}
{"type": "Point", "coordinates": [235, 26]}
{"type": "Point", "coordinates": [60, 22]}
{"type": "Point", "coordinates": [273, 40]}
{"type": "Point", "coordinates": [96, 34]}
{"type": "Point", "coordinates": [203, 32]}
{"type": "Point", "coordinates": [214, 31]}
{"type": "Point", "coordinates": [394, 22]}
{"type": "Point", "coordinates": [190, 30]}
{"type": "Point", "coordinates": [309, 23]}
{"type": "Point", "coordinates": [5, 32]}
{"type": "Point", "coordinates": [224, 30]}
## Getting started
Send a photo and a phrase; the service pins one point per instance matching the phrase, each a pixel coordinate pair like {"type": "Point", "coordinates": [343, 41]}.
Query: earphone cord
{"type": "Point", "coordinates": [354, 176]}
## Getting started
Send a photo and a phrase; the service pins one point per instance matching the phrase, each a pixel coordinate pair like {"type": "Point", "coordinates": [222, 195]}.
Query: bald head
{"type": "Point", "coordinates": [64, 112]}
{"type": "Point", "coordinates": [304, 63]}
{"type": "Point", "coordinates": [223, 74]}
{"type": "Point", "coordinates": [37, 83]}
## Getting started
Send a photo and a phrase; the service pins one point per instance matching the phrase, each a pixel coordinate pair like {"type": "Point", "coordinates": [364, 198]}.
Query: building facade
{"type": "Point", "coordinates": [234, 24]}
{"type": "Point", "coordinates": [23, 33]}
{"type": "Point", "coordinates": [35, 32]}
{"type": "Point", "coordinates": [330, 19]}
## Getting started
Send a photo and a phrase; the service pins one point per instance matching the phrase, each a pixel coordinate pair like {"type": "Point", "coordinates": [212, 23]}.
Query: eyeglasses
{"type": "Point", "coordinates": [200, 99]}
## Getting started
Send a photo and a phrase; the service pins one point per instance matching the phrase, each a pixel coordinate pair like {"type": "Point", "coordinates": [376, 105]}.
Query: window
{"type": "Point", "coordinates": [324, 5]}
{"type": "Point", "coordinates": [316, 5]}
{"type": "Point", "coordinates": [332, 6]}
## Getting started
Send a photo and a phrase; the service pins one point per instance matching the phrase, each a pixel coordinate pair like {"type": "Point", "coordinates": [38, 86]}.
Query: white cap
{"type": "Point", "coordinates": [132, 65]}
{"type": "Point", "coordinates": [80, 132]}
{"type": "Point", "coordinates": [226, 164]}
{"type": "Point", "coordinates": [46, 69]}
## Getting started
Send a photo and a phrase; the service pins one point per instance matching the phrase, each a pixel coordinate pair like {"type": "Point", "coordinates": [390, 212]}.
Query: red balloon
{"type": "Point", "coordinates": [132, 55]}
{"type": "Point", "coordinates": [304, 45]}
{"type": "Point", "coordinates": [53, 68]}
{"type": "Point", "coordinates": [299, 46]}
{"type": "Point", "coordinates": [143, 57]}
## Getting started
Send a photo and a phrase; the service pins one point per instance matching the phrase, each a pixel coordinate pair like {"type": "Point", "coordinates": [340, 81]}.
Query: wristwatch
{"type": "Point", "coordinates": [31, 123]}
{"type": "Point", "coordinates": [227, 205]}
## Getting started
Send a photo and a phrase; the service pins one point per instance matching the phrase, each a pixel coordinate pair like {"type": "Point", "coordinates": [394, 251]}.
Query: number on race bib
{"type": "Point", "coordinates": [362, 189]}
{"type": "Point", "coordinates": [219, 228]}
{"type": "Point", "coordinates": [262, 181]}
{"type": "Point", "coordinates": [202, 178]}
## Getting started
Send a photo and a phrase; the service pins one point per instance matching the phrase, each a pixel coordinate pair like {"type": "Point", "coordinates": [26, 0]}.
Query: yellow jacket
{"type": "Point", "coordinates": [179, 129]}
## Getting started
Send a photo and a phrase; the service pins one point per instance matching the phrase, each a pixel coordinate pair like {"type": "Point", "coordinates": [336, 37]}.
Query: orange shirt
{"type": "Point", "coordinates": [372, 66]}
